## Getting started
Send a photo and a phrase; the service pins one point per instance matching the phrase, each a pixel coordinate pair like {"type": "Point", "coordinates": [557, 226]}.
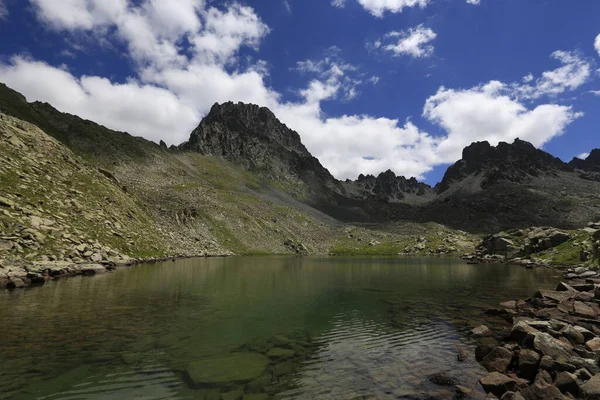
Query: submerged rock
{"type": "Point", "coordinates": [230, 368]}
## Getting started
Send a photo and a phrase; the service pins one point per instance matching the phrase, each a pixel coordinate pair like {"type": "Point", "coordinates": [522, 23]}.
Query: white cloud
{"type": "Point", "coordinates": [595, 92]}
{"type": "Point", "coordinates": [528, 78]}
{"type": "Point", "coordinates": [574, 72]}
{"type": "Point", "coordinates": [174, 87]}
{"type": "Point", "coordinates": [583, 156]}
{"type": "Point", "coordinates": [412, 42]}
{"type": "Point", "coordinates": [486, 112]}
{"type": "Point", "coordinates": [597, 44]}
{"type": "Point", "coordinates": [379, 7]}
{"type": "Point", "coordinates": [145, 110]}
{"type": "Point", "coordinates": [287, 6]}
{"type": "Point", "coordinates": [3, 10]}
{"type": "Point", "coordinates": [338, 3]}
{"type": "Point", "coordinates": [474, 2]}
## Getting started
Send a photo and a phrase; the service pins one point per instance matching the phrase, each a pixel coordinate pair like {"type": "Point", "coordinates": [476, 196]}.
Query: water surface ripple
{"type": "Point", "coordinates": [364, 327]}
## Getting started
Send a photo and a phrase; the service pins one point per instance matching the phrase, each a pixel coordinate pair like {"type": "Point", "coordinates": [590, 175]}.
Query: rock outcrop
{"type": "Point", "coordinates": [517, 162]}
{"type": "Point", "coordinates": [551, 350]}
{"type": "Point", "coordinates": [253, 137]}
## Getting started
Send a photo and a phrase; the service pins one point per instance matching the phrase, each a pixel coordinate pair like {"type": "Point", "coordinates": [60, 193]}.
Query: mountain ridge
{"type": "Point", "coordinates": [526, 179]}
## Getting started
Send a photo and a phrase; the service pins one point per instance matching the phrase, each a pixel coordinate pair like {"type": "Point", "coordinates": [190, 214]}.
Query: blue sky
{"type": "Point", "coordinates": [368, 84]}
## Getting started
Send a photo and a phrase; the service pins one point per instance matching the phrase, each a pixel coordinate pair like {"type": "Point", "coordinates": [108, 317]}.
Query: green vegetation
{"type": "Point", "coordinates": [569, 252]}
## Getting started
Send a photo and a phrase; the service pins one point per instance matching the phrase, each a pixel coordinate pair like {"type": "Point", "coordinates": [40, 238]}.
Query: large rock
{"type": "Point", "coordinates": [549, 346]}
{"type": "Point", "coordinates": [574, 335]}
{"type": "Point", "coordinates": [529, 362]}
{"type": "Point", "coordinates": [230, 368]}
{"type": "Point", "coordinates": [542, 391]}
{"type": "Point", "coordinates": [498, 384]}
{"type": "Point", "coordinates": [520, 331]}
{"type": "Point", "coordinates": [591, 389]}
{"type": "Point", "coordinates": [497, 360]}
{"type": "Point", "coordinates": [566, 382]}
{"type": "Point", "coordinates": [481, 331]}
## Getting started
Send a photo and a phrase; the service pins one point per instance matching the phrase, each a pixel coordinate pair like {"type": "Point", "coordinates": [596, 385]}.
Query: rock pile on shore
{"type": "Point", "coordinates": [552, 350]}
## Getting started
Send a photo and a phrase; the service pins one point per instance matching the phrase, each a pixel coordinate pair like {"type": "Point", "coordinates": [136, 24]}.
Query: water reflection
{"type": "Point", "coordinates": [382, 324]}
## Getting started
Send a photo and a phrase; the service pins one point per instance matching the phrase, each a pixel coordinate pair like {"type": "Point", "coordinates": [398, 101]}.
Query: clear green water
{"type": "Point", "coordinates": [360, 327]}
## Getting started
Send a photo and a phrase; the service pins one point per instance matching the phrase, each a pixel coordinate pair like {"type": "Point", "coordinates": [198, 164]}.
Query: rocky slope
{"type": "Point", "coordinates": [244, 183]}
{"type": "Point", "coordinates": [549, 350]}
{"type": "Point", "coordinates": [513, 186]}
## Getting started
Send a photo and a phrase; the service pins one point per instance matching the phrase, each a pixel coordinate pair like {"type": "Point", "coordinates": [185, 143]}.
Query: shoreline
{"type": "Point", "coordinates": [544, 347]}
{"type": "Point", "coordinates": [18, 273]}
{"type": "Point", "coordinates": [21, 273]}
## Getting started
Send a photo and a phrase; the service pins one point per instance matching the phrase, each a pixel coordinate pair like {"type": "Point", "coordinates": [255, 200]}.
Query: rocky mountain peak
{"type": "Point", "coordinates": [591, 163]}
{"type": "Point", "coordinates": [249, 121]}
{"type": "Point", "coordinates": [514, 162]}
{"type": "Point", "coordinates": [253, 137]}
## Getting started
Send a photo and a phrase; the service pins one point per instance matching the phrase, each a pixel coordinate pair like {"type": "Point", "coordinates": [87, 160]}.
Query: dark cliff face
{"type": "Point", "coordinates": [590, 164]}
{"type": "Point", "coordinates": [389, 187]}
{"type": "Point", "coordinates": [253, 137]}
{"type": "Point", "coordinates": [517, 162]}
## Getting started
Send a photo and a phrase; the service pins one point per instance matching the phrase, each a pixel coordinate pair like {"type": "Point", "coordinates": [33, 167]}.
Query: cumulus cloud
{"type": "Point", "coordinates": [3, 10]}
{"type": "Point", "coordinates": [597, 44]}
{"type": "Point", "coordinates": [174, 86]}
{"type": "Point", "coordinates": [379, 7]}
{"type": "Point", "coordinates": [145, 110]}
{"type": "Point", "coordinates": [413, 42]}
{"type": "Point", "coordinates": [574, 72]}
{"type": "Point", "coordinates": [486, 112]}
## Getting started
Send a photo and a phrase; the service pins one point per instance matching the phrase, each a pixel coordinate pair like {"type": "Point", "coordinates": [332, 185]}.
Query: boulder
{"type": "Point", "coordinates": [547, 345]}
{"type": "Point", "coordinates": [566, 382]}
{"type": "Point", "coordinates": [512, 396]}
{"type": "Point", "coordinates": [574, 336]}
{"type": "Point", "coordinates": [583, 310]}
{"type": "Point", "coordinates": [593, 345]}
{"type": "Point", "coordinates": [498, 384]}
{"type": "Point", "coordinates": [481, 331]}
{"type": "Point", "coordinates": [223, 370]}
{"type": "Point", "coordinates": [529, 362]}
{"type": "Point", "coordinates": [591, 389]}
{"type": "Point", "coordinates": [542, 391]}
{"type": "Point", "coordinates": [497, 360]}
{"type": "Point", "coordinates": [520, 330]}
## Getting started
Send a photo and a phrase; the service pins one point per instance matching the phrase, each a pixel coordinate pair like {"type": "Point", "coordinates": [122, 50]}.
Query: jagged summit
{"type": "Point", "coordinates": [516, 162]}
{"type": "Point", "coordinates": [253, 137]}
{"type": "Point", "coordinates": [591, 163]}
{"type": "Point", "coordinates": [389, 187]}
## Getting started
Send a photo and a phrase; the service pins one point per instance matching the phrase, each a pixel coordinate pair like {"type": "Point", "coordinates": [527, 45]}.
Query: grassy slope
{"type": "Point", "coordinates": [46, 180]}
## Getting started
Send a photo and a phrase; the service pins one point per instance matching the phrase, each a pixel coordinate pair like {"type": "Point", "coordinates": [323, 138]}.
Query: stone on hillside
{"type": "Point", "coordinates": [574, 336]}
{"type": "Point", "coordinates": [498, 384]}
{"type": "Point", "coordinates": [542, 391]}
{"type": "Point", "coordinates": [593, 345]}
{"type": "Point", "coordinates": [566, 382]}
{"type": "Point", "coordinates": [4, 202]}
{"type": "Point", "coordinates": [586, 363]}
{"type": "Point", "coordinates": [583, 310]}
{"type": "Point", "coordinates": [520, 330]}
{"type": "Point", "coordinates": [591, 389]}
{"type": "Point", "coordinates": [498, 360]}
{"type": "Point", "coordinates": [96, 257]}
{"type": "Point", "coordinates": [549, 346]}
{"type": "Point", "coordinates": [529, 362]}
{"type": "Point", "coordinates": [512, 396]}
{"type": "Point", "coordinates": [227, 369]}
